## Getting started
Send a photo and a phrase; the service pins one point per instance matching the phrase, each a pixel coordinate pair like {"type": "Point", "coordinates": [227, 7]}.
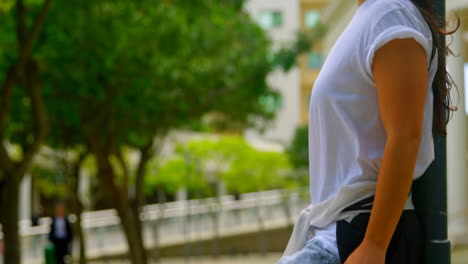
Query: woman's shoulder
{"type": "Point", "coordinates": [388, 13]}
{"type": "Point", "coordinates": [394, 19]}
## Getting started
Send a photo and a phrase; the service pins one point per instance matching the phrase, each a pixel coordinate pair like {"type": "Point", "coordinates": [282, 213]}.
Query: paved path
{"type": "Point", "coordinates": [270, 258]}
{"type": "Point", "coordinates": [459, 256]}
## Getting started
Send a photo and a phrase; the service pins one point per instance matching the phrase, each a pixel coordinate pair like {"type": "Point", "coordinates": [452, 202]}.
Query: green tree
{"type": "Point", "coordinates": [286, 56]}
{"type": "Point", "coordinates": [191, 60]}
{"type": "Point", "coordinates": [56, 174]}
{"type": "Point", "coordinates": [298, 151]}
{"type": "Point", "coordinates": [119, 76]}
{"type": "Point", "coordinates": [252, 170]}
{"type": "Point", "coordinates": [230, 158]}
{"type": "Point", "coordinates": [23, 118]}
{"type": "Point", "coordinates": [298, 154]}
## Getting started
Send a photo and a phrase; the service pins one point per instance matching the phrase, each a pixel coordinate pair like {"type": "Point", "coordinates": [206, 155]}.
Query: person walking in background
{"type": "Point", "coordinates": [35, 217]}
{"type": "Point", "coordinates": [61, 234]}
{"type": "Point", "coordinates": [381, 95]}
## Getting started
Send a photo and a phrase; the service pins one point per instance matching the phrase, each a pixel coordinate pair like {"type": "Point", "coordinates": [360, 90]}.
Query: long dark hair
{"type": "Point", "coordinates": [442, 81]}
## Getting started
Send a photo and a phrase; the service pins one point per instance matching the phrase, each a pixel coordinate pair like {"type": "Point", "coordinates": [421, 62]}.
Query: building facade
{"type": "Point", "coordinates": [282, 20]}
{"type": "Point", "coordinates": [311, 12]}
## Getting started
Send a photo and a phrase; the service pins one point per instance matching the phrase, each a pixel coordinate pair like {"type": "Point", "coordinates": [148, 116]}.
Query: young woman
{"type": "Point", "coordinates": [373, 113]}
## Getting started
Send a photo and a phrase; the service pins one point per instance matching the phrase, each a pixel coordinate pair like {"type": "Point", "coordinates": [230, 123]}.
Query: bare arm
{"type": "Point", "coordinates": [400, 73]}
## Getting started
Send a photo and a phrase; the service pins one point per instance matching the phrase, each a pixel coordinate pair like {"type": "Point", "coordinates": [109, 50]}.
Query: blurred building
{"type": "Point", "coordinates": [310, 63]}
{"type": "Point", "coordinates": [282, 20]}
{"type": "Point", "coordinates": [337, 15]}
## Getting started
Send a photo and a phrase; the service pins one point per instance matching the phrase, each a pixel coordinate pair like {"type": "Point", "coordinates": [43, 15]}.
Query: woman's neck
{"type": "Point", "coordinates": [360, 2]}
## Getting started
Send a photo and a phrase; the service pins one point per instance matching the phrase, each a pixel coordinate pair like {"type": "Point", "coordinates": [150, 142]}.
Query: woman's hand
{"type": "Point", "coordinates": [367, 253]}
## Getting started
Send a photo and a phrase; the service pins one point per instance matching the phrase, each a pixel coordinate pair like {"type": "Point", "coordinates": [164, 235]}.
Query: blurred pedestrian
{"type": "Point", "coordinates": [61, 234]}
{"type": "Point", "coordinates": [35, 217]}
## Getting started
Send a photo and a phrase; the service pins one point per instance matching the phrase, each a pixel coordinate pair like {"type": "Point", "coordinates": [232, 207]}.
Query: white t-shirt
{"type": "Point", "coordinates": [346, 135]}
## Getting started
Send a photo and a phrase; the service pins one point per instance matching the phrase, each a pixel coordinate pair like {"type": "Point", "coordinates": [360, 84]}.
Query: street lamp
{"type": "Point", "coordinates": [430, 192]}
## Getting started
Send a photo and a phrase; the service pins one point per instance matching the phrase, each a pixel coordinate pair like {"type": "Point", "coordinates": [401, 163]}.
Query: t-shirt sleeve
{"type": "Point", "coordinates": [398, 24]}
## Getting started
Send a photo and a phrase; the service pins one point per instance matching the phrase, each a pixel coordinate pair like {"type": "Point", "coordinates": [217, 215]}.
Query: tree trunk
{"type": "Point", "coordinates": [129, 218]}
{"type": "Point", "coordinates": [81, 239]}
{"type": "Point", "coordinates": [12, 249]}
{"type": "Point", "coordinates": [13, 174]}
{"type": "Point", "coordinates": [77, 206]}
{"type": "Point", "coordinates": [160, 217]}
{"type": "Point", "coordinates": [33, 200]}
{"type": "Point", "coordinates": [128, 208]}
{"type": "Point", "coordinates": [138, 200]}
{"type": "Point", "coordinates": [131, 225]}
{"type": "Point", "coordinates": [2, 198]}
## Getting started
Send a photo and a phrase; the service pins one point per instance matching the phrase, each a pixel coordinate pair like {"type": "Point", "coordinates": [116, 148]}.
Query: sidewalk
{"type": "Point", "coordinates": [270, 258]}
{"type": "Point", "coordinates": [459, 256]}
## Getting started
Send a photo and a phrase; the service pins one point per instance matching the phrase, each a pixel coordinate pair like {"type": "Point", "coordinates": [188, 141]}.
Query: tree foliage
{"type": "Point", "coordinates": [286, 56]}
{"type": "Point", "coordinates": [136, 67]}
{"type": "Point", "coordinates": [229, 159]}
{"type": "Point", "coordinates": [298, 151]}
{"type": "Point", "coordinates": [19, 86]}
{"type": "Point", "coordinates": [109, 76]}
{"type": "Point", "coordinates": [121, 74]}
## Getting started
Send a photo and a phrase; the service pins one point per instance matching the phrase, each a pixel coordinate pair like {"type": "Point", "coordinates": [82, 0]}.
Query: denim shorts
{"type": "Point", "coordinates": [406, 246]}
{"type": "Point", "coordinates": [314, 252]}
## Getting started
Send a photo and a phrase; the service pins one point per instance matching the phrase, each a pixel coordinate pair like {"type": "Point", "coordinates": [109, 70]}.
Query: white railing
{"type": "Point", "coordinates": [175, 222]}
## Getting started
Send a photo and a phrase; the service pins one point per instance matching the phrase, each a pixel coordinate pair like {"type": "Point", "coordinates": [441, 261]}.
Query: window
{"type": "Point", "coordinates": [314, 60]}
{"type": "Point", "coordinates": [312, 18]}
{"type": "Point", "coordinates": [270, 19]}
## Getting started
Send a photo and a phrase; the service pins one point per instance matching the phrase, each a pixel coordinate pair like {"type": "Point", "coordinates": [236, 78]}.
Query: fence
{"type": "Point", "coordinates": [175, 222]}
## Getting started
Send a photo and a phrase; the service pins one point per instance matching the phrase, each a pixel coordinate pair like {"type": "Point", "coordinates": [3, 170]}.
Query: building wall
{"type": "Point", "coordinates": [309, 72]}
{"type": "Point", "coordinates": [336, 16]}
{"type": "Point", "coordinates": [288, 84]}
{"type": "Point", "coordinates": [290, 11]}
{"type": "Point", "coordinates": [296, 85]}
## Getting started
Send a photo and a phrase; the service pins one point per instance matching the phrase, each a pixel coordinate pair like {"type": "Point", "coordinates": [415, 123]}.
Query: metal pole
{"type": "Point", "coordinates": [430, 193]}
